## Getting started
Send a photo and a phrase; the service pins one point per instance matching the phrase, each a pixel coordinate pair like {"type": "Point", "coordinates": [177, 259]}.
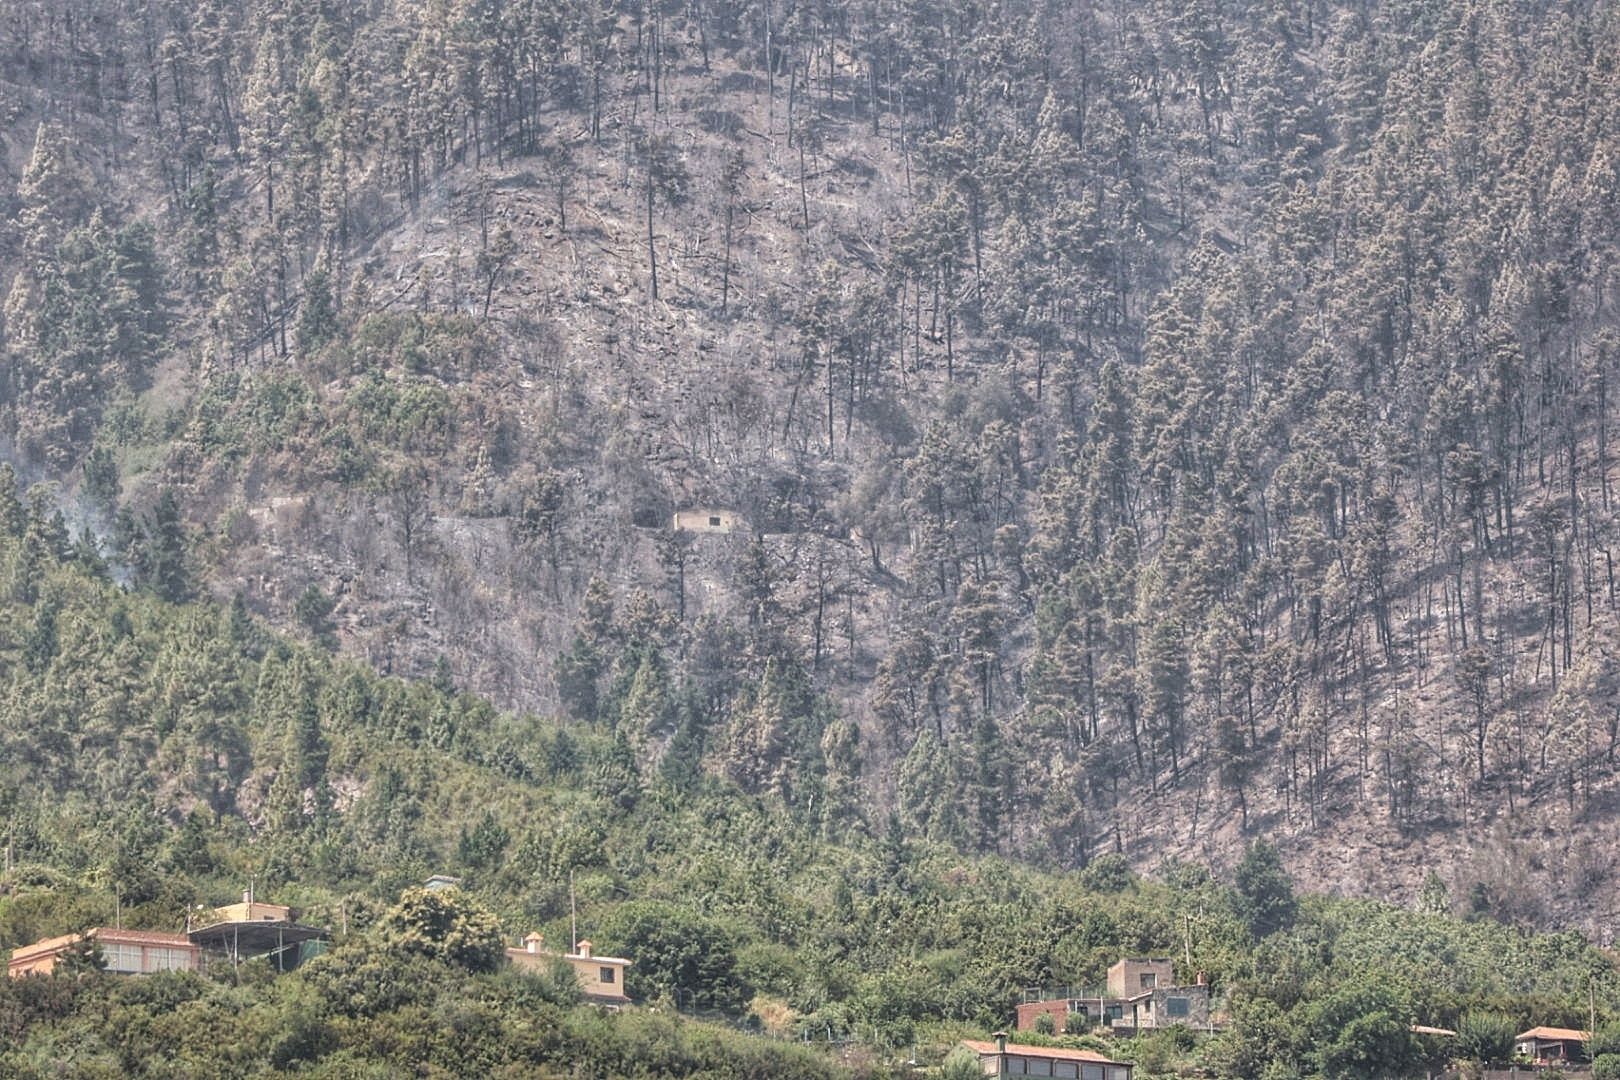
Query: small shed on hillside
{"type": "Point", "coordinates": [709, 519]}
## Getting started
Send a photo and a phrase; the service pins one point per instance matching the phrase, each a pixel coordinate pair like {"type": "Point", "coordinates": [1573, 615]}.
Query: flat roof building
{"type": "Point", "coordinates": [125, 952]}
{"type": "Point", "coordinates": [1132, 975]}
{"type": "Point", "coordinates": [707, 519]}
{"type": "Point", "coordinates": [601, 978]}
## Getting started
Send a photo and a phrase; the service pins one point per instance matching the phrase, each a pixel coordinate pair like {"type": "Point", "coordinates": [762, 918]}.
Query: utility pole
{"type": "Point", "coordinates": [573, 913]}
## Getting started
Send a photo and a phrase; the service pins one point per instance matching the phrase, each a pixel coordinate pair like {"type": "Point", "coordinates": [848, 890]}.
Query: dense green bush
{"type": "Point", "coordinates": [443, 925]}
{"type": "Point", "coordinates": [678, 954]}
{"type": "Point", "coordinates": [1485, 1037]}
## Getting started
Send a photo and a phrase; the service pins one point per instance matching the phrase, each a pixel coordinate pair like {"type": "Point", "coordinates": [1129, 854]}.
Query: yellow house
{"type": "Point", "coordinates": [601, 978]}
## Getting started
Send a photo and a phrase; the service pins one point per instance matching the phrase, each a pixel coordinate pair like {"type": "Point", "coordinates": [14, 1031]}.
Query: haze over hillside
{"type": "Point", "coordinates": [1150, 426]}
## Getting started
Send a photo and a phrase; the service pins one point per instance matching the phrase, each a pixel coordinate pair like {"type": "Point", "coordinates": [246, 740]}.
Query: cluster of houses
{"type": "Point", "coordinates": [1540, 1048]}
{"type": "Point", "coordinates": [1141, 995]}
{"type": "Point", "coordinates": [252, 930]}
{"type": "Point", "coordinates": [1544, 1047]}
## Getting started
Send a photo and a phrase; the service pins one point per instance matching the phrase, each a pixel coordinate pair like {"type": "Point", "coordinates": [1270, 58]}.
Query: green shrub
{"type": "Point", "coordinates": [677, 954]}
{"type": "Point", "coordinates": [1485, 1037]}
{"type": "Point", "coordinates": [961, 1064]}
{"type": "Point", "coordinates": [1107, 874]}
{"type": "Point", "coordinates": [445, 925]}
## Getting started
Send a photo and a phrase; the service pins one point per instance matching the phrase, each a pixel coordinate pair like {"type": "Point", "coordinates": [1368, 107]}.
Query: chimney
{"type": "Point", "coordinates": [247, 895]}
{"type": "Point", "coordinates": [1001, 1042]}
{"type": "Point", "coordinates": [534, 941]}
{"type": "Point", "coordinates": [1203, 978]}
{"type": "Point", "coordinates": [583, 949]}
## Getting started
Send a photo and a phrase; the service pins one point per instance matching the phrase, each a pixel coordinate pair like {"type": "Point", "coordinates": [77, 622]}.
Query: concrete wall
{"type": "Point", "coordinates": [590, 971]}
{"type": "Point", "coordinates": [587, 969]}
{"type": "Point", "coordinates": [707, 519]}
{"type": "Point", "coordinates": [1154, 1012]}
{"type": "Point", "coordinates": [1057, 1010]}
{"type": "Point", "coordinates": [1096, 1011]}
{"type": "Point", "coordinates": [252, 911]}
{"type": "Point", "coordinates": [37, 965]}
{"type": "Point", "coordinates": [1126, 978]}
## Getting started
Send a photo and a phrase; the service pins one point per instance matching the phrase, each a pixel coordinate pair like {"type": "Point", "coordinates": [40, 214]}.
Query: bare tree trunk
{"type": "Point", "coordinates": [652, 253]}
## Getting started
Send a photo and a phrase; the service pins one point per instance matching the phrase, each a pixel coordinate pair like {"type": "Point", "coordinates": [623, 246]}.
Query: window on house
{"type": "Point", "coordinates": [169, 959]}
{"type": "Point", "coordinates": [1091, 1072]}
{"type": "Point", "coordinates": [607, 974]}
{"type": "Point", "coordinates": [122, 957]}
{"type": "Point", "coordinates": [1116, 1012]}
{"type": "Point", "coordinates": [1149, 981]}
{"type": "Point", "coordinates": [1176, 1007]}
{"type": "Point", "coordinates": [714, 521]}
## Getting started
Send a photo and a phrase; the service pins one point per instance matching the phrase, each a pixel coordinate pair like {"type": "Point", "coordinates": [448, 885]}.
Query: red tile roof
{"type": "Point", "coordinates": [139, 937]}
{"type": "Point", "coordinates": [43, 947]}
{"type": "Point", "coordinates": [1052, 1053]}
{"type": "Point", "coordinates": [1552, 1034]}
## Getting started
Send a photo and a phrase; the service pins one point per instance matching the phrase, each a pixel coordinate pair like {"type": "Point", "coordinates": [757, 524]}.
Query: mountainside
{"type": "Point", "coordinates": [1149, 427]}
{"type": "Point", "coordinates": [158, 756]}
